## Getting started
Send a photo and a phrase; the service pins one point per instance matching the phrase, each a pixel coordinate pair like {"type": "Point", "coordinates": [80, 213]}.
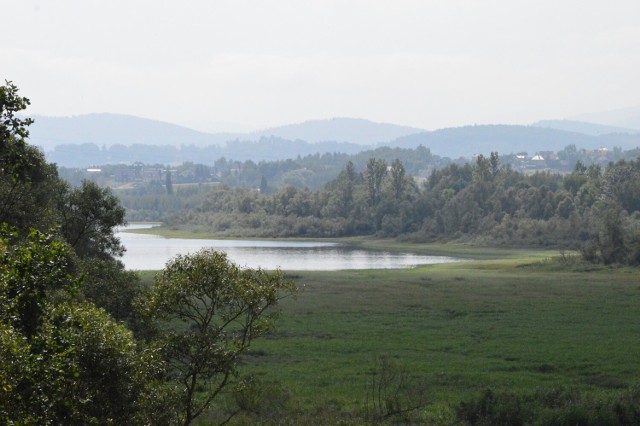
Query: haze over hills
{"type": "Point", "coordinates": [623, 117]}
{"type": "Point", "coordinates": [504, 139]}
{"type": "Point", "coordinates": [583, 127]}
{"type": "Point", "coordinates": [265, 149]}
{"type": "Point", "coordinates": [111, 129]}
{"type": "Point", "coordinates": [351, 130]}
{"type": "Point", "coordinates": [112, 138]}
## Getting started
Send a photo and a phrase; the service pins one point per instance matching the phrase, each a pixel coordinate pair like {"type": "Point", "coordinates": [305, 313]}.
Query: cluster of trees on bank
{"type": "Point", "coordinates": [316, 170]}
{"type": "Point", "coordinates": [81, 341]}
{"type": "Point", "coordinates": [592, 209]}
{"type": "Point", "coordinates": [152, 200]}
{"type": "Point", "coordinates": [311, 171]}
{"type": "Point", "coordinates": [156, 192]}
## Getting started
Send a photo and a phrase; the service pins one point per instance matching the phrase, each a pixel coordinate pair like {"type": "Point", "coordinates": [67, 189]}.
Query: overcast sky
{"type": "Point", "coordinates": [247, 64]}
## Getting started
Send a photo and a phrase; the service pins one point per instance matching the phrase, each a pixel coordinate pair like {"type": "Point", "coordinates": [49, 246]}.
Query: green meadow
{"type": "Point", "coordinates": [508, 320]}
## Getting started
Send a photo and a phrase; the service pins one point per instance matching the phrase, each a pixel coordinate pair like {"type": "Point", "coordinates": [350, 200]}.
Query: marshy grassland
{"type": "Point", "coordinates": [516, 321]}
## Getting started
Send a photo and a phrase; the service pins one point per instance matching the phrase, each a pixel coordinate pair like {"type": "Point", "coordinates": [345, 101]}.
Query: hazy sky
{"type": "Point", "coordinates": [244, 64]}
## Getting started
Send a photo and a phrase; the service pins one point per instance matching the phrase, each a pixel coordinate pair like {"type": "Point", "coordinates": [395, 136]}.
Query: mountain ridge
{"type": "Point", "coordinates": [110, 129]}
{"type": "Point", "coordinates": [341, 129]}
{"type": "Point", "coordinates": [591, 129]}
{"type": "Point", "coordinates": [622, 117]}
{"type": "Point", "coordinates": [63, 138]}
{"type": "Point", "coordinates": [467, 141]}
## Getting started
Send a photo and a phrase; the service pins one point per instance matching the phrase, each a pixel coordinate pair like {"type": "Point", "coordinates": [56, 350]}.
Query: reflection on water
{"type": "Point", "coordinates": [151, 252]}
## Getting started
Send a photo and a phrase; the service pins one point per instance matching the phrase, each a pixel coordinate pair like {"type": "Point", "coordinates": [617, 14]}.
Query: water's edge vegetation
{"type": "Point", "coordinates": [447, 249]}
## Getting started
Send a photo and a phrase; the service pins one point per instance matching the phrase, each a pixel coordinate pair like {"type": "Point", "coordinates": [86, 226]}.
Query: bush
{"type": "Point", "coordinates": [552, 407]}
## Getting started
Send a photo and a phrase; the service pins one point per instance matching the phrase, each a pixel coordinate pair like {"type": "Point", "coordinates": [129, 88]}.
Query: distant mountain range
{"type": "Point", "coordinates": [62, 138]}
{"type": "Point", "coordinates": [112, 129]}
{"type": "Point", "coordinates": [624, 117]}
{"type": "Point", "coordinates": [507, 139]}
{"type": "Point", "coordinates": [583, 127]}
{"type": "Point", "coordinates": [352, 130]}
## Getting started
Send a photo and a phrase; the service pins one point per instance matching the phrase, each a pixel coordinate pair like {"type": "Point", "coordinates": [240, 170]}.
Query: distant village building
{"type": "Point", "coordinates": [548, 155]}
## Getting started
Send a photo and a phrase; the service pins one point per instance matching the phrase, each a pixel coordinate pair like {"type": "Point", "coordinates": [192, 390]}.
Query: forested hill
{"type": "Point", "coordinates": [466, 141]}
{"type": "Point", "coordinates": [87, 140]}
{"type": "Point", "coordinates": [265, 149]}
{"type": "Point", "coordinates": [624, 117]}
{"type": "Point", "coordinates": [584, 127]}
{"type": "Point", "coordinates": [83, 141]}
{"type": "Point", "coordinates": [111, 129]}
{"type": "Point", "coordinates": [363, 132]}
{"type": "Point", "coordinates": [106, 130]}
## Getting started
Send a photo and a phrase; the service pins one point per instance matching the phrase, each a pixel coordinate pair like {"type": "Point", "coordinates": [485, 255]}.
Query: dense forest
{"type": "Point", "coordinates": [591, 209]}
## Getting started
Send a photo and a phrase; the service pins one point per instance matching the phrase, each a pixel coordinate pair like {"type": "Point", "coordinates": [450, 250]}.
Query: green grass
{"type": "Point", "coordinates": [510, 320]}
{"type": "Point", "coordinates": [517, 323]}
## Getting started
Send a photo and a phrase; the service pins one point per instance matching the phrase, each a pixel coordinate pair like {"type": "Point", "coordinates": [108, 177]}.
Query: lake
{"type": "Point", "coordinates": [151, 252]}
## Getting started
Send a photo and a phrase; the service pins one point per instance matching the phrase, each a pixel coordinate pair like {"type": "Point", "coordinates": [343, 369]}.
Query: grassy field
{"type": "Point", "coordinates": [513, 320]}
{"type": "Point", "coordinates": [519, 323]}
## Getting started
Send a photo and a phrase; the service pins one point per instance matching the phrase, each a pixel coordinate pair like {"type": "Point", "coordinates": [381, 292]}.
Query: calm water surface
{"type": "Point", "coordinates": [153, 251]}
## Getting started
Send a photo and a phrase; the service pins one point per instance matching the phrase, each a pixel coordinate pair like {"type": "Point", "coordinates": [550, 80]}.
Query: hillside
{"type": "Point", "coordinates": [583, 127]}
{"type": "Point", "coordinates": [352, 130]}
{"type": "Point", "coordinates": [623, 117]}
{"type": "Point", "coordinates": [118, 129]}
{"type": "Point", "coordinates": [265, 149]}
{"type": "Point", "coordinates": [110, 138]}
{"type": "Point", "coordinates": [469, 140]}
{"type": "Point", "coordinates": [111, 129]}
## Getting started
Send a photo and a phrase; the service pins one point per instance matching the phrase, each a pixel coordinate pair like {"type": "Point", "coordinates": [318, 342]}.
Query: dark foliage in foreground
{"type": "Point", "coordinates": [68, 352]}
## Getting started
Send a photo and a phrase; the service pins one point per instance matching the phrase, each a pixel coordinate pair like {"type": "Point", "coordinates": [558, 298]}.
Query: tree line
{"type": "Point", "coordinates": [310, 171]}
{"type": "Point", "coordinates": [592, 209]}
